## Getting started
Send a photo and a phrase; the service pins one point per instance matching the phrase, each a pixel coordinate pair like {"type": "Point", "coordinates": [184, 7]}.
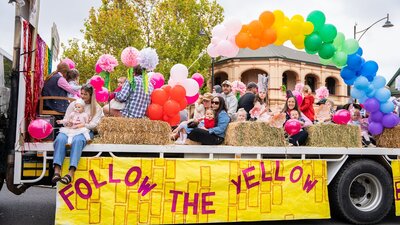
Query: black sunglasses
{"type": "Point", "coordinates": [213, 102]}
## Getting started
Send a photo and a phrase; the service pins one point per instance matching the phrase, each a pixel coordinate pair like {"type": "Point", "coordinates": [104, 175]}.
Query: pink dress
{"type": "Point", "coordinates": [76, 118]}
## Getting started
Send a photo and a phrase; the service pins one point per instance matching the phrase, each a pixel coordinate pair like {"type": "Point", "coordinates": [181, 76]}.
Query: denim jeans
{"type": "Point", "coordinates": [78, 143]}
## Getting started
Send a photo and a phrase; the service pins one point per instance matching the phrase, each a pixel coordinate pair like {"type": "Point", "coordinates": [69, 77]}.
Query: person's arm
{"type": "Point", "coordinates": [123, 95]}
{"type": "Point", "coordinates": [68, 115]}
{"type": "Point", "coordinates": [223, 121]}
{"type": "Point", "coordinates": [112, 94]}
{"type": "Point", "coordinates": [96, 119]}
{"type": "Point", "coordinates": [307, 121]}
{"type": "Point", "coordinates": [62, 83]}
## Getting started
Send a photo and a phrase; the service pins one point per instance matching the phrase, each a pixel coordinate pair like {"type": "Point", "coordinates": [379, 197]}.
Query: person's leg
{"type": "Point", "coordinates": [106, 110]}
{"type": "Point", "coordinates": [59, 151]}
{"type": "Point", "coordinates": [204, 137]}
{"type": "Point", "coordinates": [299, 139]}
{"type": "Point", "coordinates": [78, 143]}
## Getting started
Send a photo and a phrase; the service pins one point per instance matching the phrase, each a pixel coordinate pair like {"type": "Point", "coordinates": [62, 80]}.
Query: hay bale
{"type": "Point", "coordinates": [333, 135]}
{"type": "Point", "coordinates": [118, 130]}
{"type": "Point", "coordinates": [390, 138]}
{"type": "Point", "coordinates": [254, 134]}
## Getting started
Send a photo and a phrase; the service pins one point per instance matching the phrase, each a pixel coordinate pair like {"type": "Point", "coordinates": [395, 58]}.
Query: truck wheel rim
{"type": "Point", "coordinates": [365, 192]}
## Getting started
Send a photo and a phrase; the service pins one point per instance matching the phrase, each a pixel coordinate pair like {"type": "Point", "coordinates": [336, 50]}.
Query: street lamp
{"type": "Point", "coordinates": [202, 32]}
{"type": "Point", "coordinates": [386, 25]}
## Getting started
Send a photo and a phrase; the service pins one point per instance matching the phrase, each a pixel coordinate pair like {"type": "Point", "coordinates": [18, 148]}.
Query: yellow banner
{"type": "Point", "coordinates": [175, 191]}
{"type": "Point", "coordinates": [396, 184]}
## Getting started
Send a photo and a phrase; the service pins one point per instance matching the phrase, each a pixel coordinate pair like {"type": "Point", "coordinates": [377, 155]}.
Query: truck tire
{"type": "Point", "coordinates": [362, 192]}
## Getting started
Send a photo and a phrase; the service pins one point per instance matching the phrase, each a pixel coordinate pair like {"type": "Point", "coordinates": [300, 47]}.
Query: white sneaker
{"type": "Point", "coordinates": [371, 145]}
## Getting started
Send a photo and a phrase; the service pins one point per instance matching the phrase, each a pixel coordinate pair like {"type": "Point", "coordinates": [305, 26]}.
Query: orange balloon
{"type": "Point", "coordinates": [178, 92]}
{"type": "Point", "coordinates": [256, 28]}
{"type": "Point", "coordinates": [245, 28]}
{"type": "Point", "coordinates": [269, 35]}
{"type": "Point", "coordinates": [173, 121]}
{"type": "Point", "coordinates": [167, 89]}
{"type": "Point", "coordinates": [267, 18]}
{"type": "Point", "coordinates": [242, 40]}
{"type": "Point", "coordinates": [183, 103]}
{"type": "Point", "coordinates": [159, 96]}
{"type": "Point", "coordinates": [255, 43]}
{"type": "Point", "coordinates": [171, 108]}
{"type": "Point", "coordinates": [155, 112]}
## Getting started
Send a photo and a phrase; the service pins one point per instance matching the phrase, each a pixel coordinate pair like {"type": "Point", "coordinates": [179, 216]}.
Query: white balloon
{"type": "Point", "coordinates": [233, 51]}
{"type": "Point", "coordinates": [215, 40]}
{"type": "Point", "coordinates": [212, 51]}
{"type": "Point", "coordinates": [191, 87]}
{"type": "Point", "coordinates": [219, 31]}
{"type": "Point", "coordinates": [171, 82]}
{"type": "Point", "coordinates": [224, 47]}
{"type": "Point", "coordinates": [233, 26]}
{"type": "Point", "coordinates": [179, 72]}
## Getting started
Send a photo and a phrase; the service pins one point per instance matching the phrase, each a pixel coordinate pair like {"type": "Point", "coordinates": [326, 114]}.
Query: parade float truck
{"type": "Point", "coordinates": [251, 177]}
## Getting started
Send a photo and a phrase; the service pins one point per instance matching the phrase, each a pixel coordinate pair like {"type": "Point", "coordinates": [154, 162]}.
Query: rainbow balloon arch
{"type": "Point", "coordinates": [316, 37]}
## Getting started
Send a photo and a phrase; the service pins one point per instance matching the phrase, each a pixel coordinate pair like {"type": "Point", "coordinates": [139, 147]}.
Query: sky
{"type": "Point", "coordinates": [379, 44]}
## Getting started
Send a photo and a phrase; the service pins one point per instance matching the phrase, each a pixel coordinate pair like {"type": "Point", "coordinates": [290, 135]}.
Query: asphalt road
{"type": "Point", "coordinates": [37, 207]}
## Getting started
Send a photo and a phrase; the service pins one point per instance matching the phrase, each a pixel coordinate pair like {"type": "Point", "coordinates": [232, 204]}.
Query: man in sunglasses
{"type": "Point", "coordinates": [230, 99]}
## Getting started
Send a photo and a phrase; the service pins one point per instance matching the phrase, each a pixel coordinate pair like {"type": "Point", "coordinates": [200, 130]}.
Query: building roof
{"type": "Point", "coordinates": [391, 81]}
{"type": "Point", "coordinates": [5, 54]}
{"type": "Point", "coordinates": [273, 51]}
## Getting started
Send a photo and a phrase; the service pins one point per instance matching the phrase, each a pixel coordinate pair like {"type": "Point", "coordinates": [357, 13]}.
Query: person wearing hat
{"type": "Point", "coordinates": [247, 100]}
{"type": "Point", "coordinates": [230, 99]}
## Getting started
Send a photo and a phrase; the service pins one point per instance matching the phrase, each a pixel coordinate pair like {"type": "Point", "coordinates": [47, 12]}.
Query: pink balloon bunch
{"type": "Point", "coordinates": [292, 127]}
{"type": "Point", "coordinates": [157, 80]}
{"type": "Point", "coordinates": [179, 74]}
{"type": "Point", "coordinates": [198, 78]}
{"type": "Point", "coordinates": [70, 63]}
{"type": "Point", "coordinates": [223, 39]}
{"type": "Point", "coordinates": [97, 82]}
{"type": "Point", "coordinates": [40, 129]}
{"type": "Point", "coordinates": [102, 94]}
{"type": "Point", "coordinates": [298, 96]}
{"type": "Point", "coordinates": [341, 116]}
{"type": "Point", "coordinates": [129, 57]}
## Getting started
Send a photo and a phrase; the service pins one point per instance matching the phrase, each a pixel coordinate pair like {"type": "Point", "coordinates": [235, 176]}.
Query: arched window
{"type": "Point", "coordinates": [330, 83]}
{"type": "Point", "coordinates": [289, 79]}
{"type": "Point", "coordinates": [220, 77]}
{"type": "Point", "coordinates": [251, 75]}
{"type": "Point", "coordinates": [311, 81]}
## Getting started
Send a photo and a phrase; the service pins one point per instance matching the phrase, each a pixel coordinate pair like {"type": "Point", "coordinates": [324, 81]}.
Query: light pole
{"type": "Point", "coordinates": [202, 32]}
{"type": "Point", "coordinates": [386, 25]}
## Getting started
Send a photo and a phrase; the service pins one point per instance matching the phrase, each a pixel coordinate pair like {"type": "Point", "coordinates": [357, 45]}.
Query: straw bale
{"type": "Point", "coordinates": [117, 130]}
{"type": "Point", "coordinates": [254, 134]}
{"type": "Point", "coordinates": [333, 135]}
{"type": "Point", "coordinates": [390, 138]}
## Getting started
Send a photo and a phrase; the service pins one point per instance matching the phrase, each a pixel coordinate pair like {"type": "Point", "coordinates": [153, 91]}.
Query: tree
{"type": "Point", "coordinates": [172, 27]}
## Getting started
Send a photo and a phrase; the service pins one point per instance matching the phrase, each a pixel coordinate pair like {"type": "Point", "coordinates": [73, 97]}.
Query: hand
{"type": "Point", "coordinates": [203, 128]}
{"type": "Point", "coordinates": [59, 121]}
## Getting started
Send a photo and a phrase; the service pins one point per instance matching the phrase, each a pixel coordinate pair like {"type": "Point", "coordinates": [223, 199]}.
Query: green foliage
{"type": "Point", "coordinates": [172, 27]}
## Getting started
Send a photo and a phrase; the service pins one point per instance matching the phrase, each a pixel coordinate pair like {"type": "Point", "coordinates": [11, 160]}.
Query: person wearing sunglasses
{"type": "Point", "coordinates": [215, 135]}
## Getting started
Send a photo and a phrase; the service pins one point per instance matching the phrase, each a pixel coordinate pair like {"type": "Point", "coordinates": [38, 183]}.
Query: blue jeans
{"type": "Point", "coordinates": [78, 143]}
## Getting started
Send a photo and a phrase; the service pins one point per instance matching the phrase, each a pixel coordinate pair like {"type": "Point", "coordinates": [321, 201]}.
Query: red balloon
{"type": "Point", "coordinates": [159, 96]}
{"type": "Point", "coordinates": [292, 126]}
{"type": "Point", "coordinates": [166, 118]}
{"type": "Point", "coordinates": [171, 108]}
{"type": "Point", "coordinates": [341, 116]}
{"type": "Point", "coordinates": [183, 103]}
{"type": "Point", "coordinates": [155, 112]}
{"type": "Point", "coordinates": [167, 88]}
{"type": "Point", "coordinates": [173, 121]}
{"type": "Point", "coordinates": [40, 129]}
{"type": "Point", "coordinates": [178, 92]}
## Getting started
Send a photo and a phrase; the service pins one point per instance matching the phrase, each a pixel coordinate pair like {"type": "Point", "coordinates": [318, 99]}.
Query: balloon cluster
{"type": "Point", "coordinates": [70, 63]}
{"type": "Point", "coordinates": [179, 76]}
{"type": "Point", "coordinates": [223, 39]}
{"type": "Point", "coordinates": [166, 102]}
{"type": "Point", "coordinates": [40, 129]}
{"type": "Point", "coordinates": [101, 92]}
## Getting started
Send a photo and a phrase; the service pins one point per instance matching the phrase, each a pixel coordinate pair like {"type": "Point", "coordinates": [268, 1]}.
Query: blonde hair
{"type": "Point", "coordinates": [62, 68]}
{"type": "Point", "coordinates": [242, 110]}
{"type": "Point", "coordinates": [307, 89]}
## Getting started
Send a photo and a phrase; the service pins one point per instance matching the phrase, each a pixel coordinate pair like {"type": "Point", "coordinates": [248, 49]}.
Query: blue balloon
{"type": "Point", "coordinates": [379, 82]}
{"type": "Point", "coordinates": [363, 99]}
{"type": "Point", "coordinates": [359, 51]}
{"type": "Point", "coordinates": [369, 69]}
{"type": "Point", "coordinates": [361, 83]}
{"type": "Point", "coordinates": [357, 93]}
{"type": "Point", "coordinates": [347, 74]}
{"type": "Point", "coordinates": [387, 107]}
{"type": "Point", "coordinates": [382, 94]}
{"type": "Point", "coordinates": [354, 62]}
{"type": "Point", "coordinates": [371, 93]}
{"type": "Point", "coordinates": [350, 82]}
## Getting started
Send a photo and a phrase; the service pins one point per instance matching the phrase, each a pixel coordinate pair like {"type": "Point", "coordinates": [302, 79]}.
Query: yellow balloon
{"type": "Point", "coordinates": [308, 28]}
{"type": "Point", "coordinates": [283, 33]}
{"type": "Point", "coordinates": [279, 42]}
{"type": "Point", "coordinates": [300, 46]}
{"type": "Point", "coordinates": [298, 40]}
{"type": "Point", "coordinates": [295, 27]}
{"type": "Point", "coordinates": [279, 16]}
{"type": "Point", "coordinates": [298, 17]}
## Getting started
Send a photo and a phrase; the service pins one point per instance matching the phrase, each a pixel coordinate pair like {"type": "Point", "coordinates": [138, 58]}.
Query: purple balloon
{"type": "Point", "coordinates": [371, 105]}
{"type": "Point", "coordinates": [376, 116]}
{"type": "Point", "coordinates": [375, 128]}
{"type": "Point", "coordinates": [390, 120]}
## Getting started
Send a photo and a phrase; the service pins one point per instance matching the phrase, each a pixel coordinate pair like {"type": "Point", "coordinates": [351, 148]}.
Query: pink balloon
{"type": "Point", "coordinates": [298, 96]}
{"type": "Point", "coordinates": [98, 69]}
{"type": "Point", "coordinates": [157, 80]}
{"type": "Point", "coordinates": [97, 82]}
{"type": "Point", "coordinates": [292, 127]}
{"type": "Point", "coordinates": [40, 129]}
{"type": "Point", "coordinates": [199, 79]}
{"type": "Point", "coordinates": [70, 63]}
{"type": "Point", "coordinates": [102, 95]}
{"type": "Point", "coordinates": [341, 117]}
{"type": "Point", "coordinates": [192, 99]}
{"type": "Point", "coordinates": [191, 87]}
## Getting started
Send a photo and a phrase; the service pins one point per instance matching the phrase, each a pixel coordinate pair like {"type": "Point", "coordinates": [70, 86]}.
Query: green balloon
{"type": "Point", "coordinates": [328, 33]}
{"type": "Point", "coordinates": [339, 59]}
{"type": "Point", "coordinates": [326, 51]}
{"type": "Point", "coordinates": [311, 52]}
{"type": "Point", "coordinates": [350, 46]}
{"type": "Point", "coordinates": [317, 18]}
{"type": "Point", "coordinates": [338, 42]}
{"type": "Point", "coordinates": [325, 61]}
{"type": "Point", "coordinates": [312, 42]}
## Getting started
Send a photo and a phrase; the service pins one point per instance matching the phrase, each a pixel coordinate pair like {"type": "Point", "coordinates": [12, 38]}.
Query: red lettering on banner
{"type": "Point", "coordinates": [397, 189]}
{"type": "Point", "coordinates": [308, 185]}
{"type": "Point", "coordinates": [237, 184]}
{"type": "Point", "coordinates": [65, 197]}
{"type": "Point", "coordinates": [128, 174]}
{"type": "Point", "coordinates": [111, 180]}
{"type": "Point", "coordinates": [145, 187]}
{"type": "Point", "coordinates": [174, 199]}
{"type": "Point", "coordinates": [94, 178]}
{"type": "Point", "coordinates": [247, 178]}
{"type": "Point", "coordinates": [277, 177]}
{"type": "Point", "coordinates": [80, 181]}
{"type": "Point", "coordinates": [205, 203]}
{"type": "Point", "coordinates": [263, 177]}
{"type": "Point", "coordinates": [194, 203]}
{"type": "Point", "coordinates": [292, 174]}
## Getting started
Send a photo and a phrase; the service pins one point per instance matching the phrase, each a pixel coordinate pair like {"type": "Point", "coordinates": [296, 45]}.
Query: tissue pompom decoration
{"type": "Point", "coordinates": [148, 58]}
{"type": "Point", "coordinates": [107, 62]}
{"type": "Point", "coordinates": [238, 87]}
{"type": "Point", "coordinates": [129, 57]}
{"type": "Point", "coordinates": [299, 87]}
{"type": "Point", "coordinates": [322, 93]}
{"type": "Point", "coordinates": [70, 63]}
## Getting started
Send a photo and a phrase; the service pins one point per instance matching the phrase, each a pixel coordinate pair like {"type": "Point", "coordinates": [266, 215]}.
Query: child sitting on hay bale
{"type": "Point", "coordinates": [301, 137]}
{"type": "Point", "coordinates": [241, 115]}
{"type": "Point", "coordinates": [362, 123]}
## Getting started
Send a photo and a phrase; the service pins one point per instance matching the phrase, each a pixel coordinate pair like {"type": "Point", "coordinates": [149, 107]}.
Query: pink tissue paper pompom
{"type": "Point", "coordinates": [70, 63]}
{"type": "Point", "coordinates": [107, 62]}
{"type": "Point", "coordinates": [299, 87]}
{"type": "Point", "coordinates": [129, 57]}
{"type": "Point", "coordinates": [322, 93]}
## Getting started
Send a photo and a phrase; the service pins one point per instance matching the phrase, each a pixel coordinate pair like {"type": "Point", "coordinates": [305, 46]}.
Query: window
{"type": "Point", "coordinates": [330, 83]}
{"type": "Point", "coordinates": [311, 81]}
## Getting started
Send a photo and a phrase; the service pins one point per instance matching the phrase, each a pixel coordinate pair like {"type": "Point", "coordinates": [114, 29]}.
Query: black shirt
{"type": "Point", "coordinates": [247, 102]}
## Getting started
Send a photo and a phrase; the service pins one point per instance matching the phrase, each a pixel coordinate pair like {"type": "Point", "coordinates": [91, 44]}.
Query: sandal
{"type": "Point", "coordinates": [56, 178]}
{"type": "Point", "coordinates": [66, 179]}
